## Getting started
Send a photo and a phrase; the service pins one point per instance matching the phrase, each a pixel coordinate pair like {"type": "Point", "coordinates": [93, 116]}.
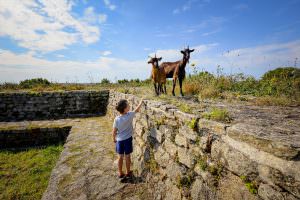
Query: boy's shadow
{"type": "Point", "coordinates": [132, 179]}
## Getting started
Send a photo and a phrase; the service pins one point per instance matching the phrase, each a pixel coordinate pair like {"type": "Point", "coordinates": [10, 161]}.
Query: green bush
{"type": "Point", "coordinates": [31, 83]}
{"type": "Point", "coordinates": [280, 81]}
{"type": "Point", "coordinates": [105, 81]}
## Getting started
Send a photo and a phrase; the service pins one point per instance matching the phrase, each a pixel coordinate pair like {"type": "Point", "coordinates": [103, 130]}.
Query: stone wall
{"type": "Point", "coordinates": [183, 156]}
{"type": "Point", "coordinates": [51, 105]}
{"type": "Point", "coordinates": [33, 137]}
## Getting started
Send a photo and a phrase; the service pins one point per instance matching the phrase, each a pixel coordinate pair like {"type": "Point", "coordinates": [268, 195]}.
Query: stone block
{"type": "Point", "coordinates": [180, 140]}
{"type": "Point", "coordinates": [185, 157]}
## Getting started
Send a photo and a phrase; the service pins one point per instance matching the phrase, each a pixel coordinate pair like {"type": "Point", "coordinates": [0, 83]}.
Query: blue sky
{"type": "Point", "coordinates": [87, 40]}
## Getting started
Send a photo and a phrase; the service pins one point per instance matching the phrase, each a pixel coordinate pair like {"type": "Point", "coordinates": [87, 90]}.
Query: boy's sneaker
{"type": "Point", "coordinates": [127, 178]}
{"type": "Point", "coordinates": [129, 175]}
{"type": "Point", "coordinates": [121, 176]}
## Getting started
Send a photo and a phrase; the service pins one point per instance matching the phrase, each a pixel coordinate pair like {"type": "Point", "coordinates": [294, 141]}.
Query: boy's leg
{"type": "Point", "coordinates": [128, 163]}
{"type": "Point", "coordinates": [120, 164]}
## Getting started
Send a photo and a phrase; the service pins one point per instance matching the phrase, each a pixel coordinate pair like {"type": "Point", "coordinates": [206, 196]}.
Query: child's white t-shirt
{"type": "Point", "coordinates": [123, 124]}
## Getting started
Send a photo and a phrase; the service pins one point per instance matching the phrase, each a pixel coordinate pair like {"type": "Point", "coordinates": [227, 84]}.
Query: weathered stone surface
{"type": "Point", "coordinates": [232, 187]}
{"type": "Point", "coordinates": [185, 157]}
{"type": "Point", "coordinates": [266, 192]}
{"type": "Point", "coordinates": [201, 191]}
{"type": "Point", "coordinates": [256, 136]}
{"type": "Point", "coordinates": [188, 132]}
{"type": "Point", "coordinates": [181, 140]}
{"type": "Point", "coordinates": [170, 147]}
{"type": "Point", "coordinates": [233, 160]}
{"type": "Point", "coordinates": [184, 117]}
{"type": "Point", "coordinates": [174, 170]}
{"type": "Point", "coordinates": [167, 131]}
{"type": "Point", "coordinates": [212, 126]}
{"type": "Point", "coordinates": [162, 157]}
{"type": "Point", "coordinates": [172, 193]}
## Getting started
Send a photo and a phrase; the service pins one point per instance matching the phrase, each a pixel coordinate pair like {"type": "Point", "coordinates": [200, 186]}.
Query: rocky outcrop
{"type": "Point", "coordinates": [52, 105]}
{"type": "Point", "coordinates": [252, 157]}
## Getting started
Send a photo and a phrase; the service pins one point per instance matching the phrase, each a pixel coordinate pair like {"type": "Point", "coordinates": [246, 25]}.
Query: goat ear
{"type": "Point", "coordinates": [182, 52]}
{"type": "Point", "coordinates": [192, 50]}
{"type": "Point", "coordinates": [159, 58]}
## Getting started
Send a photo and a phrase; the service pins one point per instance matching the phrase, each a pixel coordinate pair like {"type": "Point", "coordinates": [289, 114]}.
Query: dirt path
{"type": "Point", "coordinates": [86, 168]}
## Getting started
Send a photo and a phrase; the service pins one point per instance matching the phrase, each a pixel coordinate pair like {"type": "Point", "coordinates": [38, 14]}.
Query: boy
{"type": "Point", "coordinates": [122, 135]}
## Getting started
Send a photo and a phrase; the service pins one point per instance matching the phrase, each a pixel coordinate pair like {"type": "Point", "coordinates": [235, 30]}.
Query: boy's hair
{"type": "Point", "coordinates": [122, 104]}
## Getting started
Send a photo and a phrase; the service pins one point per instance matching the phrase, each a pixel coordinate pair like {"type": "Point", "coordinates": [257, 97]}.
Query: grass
{"type": "Point", "coordinates": [193, 124]}
{"type": "Point", "coordinates": [25, 174]}
{"type": "Point", "coordinates": [184, 181]}
{"type": "Point", "coordinates": [273, 101]}
{"type": "Point", "coordinates": [160, 121]}
{"type": "Point", "coordinates": [185, 108]}
{"type": "Point", "coordinates": [202, 162]}
{"type": "Point", "coordinates": [218, 114]}
{"type": "Point", "coordinates": [251, 186]}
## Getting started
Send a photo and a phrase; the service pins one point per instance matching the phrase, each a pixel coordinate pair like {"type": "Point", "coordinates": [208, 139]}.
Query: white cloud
{"type": "Point", "coordinates": [210, 32]}
{"type": "Point", "coordinates": [92, 17]}
{"type": "Point", "coordinates": [102, 18]}
{"type": "Point", "coordinates": [174, 54]}
{"type": "Point", "coordinates": [252, 60]}
{"type": "Point", "coordinates": [60, 56]}
{"type": "Point", "coordinates": [15, 67]}
{"type": "Point", "coordinates": [163, 35]}
{"type": "Point", "coordinates": [44, 25]}
{"type": "Point", "coordinates": [109, 5]}
{"type": "Point", "coordinates": [188, 5]}
{"type": "Point", "coordinates": [147, 49]}
{"type": "Point", "coordinates": [106, 53]}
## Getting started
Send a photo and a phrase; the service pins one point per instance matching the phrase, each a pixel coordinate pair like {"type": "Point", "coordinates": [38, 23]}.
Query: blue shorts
{"type": "Point", "coordinates": [124, 146]}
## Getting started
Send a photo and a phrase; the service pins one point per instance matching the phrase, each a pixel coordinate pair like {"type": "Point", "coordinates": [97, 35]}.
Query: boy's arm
{"type": "Point", "coordinates": [137, 109]}
{"type": "Point", "coordinates": [114, 133]}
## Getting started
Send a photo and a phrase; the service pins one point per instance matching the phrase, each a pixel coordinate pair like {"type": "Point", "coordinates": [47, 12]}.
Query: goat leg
{"type": "Point", "coordinates": [174, 85]}
{"type": "Point", "coordinates": [155, 88]}
{"type": "Point", "coordinates": [180, 85]}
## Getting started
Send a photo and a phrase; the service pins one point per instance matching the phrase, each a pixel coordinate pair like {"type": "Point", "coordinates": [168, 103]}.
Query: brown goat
{"type": "Point", "coordinates": [176, 70]}
{"type": "Point", "coordinates": [157, 74]}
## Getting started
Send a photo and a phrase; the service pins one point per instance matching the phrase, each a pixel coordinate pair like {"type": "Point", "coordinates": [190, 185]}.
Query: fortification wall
{"type": "Point", "coordinates": [51, 105]}
{"type": "Point", "coordinates": [184, 156]}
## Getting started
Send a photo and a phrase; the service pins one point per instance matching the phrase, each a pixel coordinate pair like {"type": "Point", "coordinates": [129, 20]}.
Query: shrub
{"type": "Point", "coordinates": [280, 81]}
{"type": "Point", "coordinates": [123, 81]}
{"type": "Point", "coordinates": [9, 86]}
{"type": "Point", "coordinates": [30, 83]}
{"type": "Point", "coordinates": [105, 81]}
{"type": "Point", "coordinates": [209, 92]}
